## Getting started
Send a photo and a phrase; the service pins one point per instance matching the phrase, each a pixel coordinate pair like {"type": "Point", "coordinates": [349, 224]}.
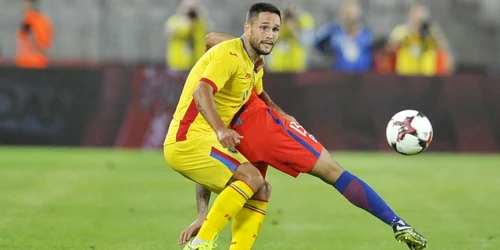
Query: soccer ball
{"type": "Point", "coordinates": [409, 132]}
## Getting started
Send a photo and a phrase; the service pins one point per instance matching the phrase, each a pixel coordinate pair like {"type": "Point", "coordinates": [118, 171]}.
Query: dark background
{"type": "Point", "coordinates": [118, 106]}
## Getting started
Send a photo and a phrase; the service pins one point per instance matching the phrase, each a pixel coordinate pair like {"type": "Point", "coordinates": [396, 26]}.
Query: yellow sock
{"type": "Point", "coordinates": [227, 205]}
{"type": "Point", "coordinates": [247, 224]}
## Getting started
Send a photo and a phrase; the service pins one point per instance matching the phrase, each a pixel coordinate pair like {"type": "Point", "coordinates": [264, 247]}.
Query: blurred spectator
{"type": "Point", "coordinates": [384, 59]}
{"type": "Point", "coordinates": [34, 37]}
{"type": "Point", "coordinates": [421, 48]}
{"type": "Point", "coordinates": [296, 36]}
{"type": "Point", "coordinates": [349, 41]}
{"type": "Point", "coordinates": [185, 34]}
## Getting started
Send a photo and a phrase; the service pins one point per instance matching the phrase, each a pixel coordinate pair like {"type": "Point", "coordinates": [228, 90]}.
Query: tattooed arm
{"type": "Point", "coordinates": [202, 200]}
{"type": "Point", "coordinates": [204, 99]}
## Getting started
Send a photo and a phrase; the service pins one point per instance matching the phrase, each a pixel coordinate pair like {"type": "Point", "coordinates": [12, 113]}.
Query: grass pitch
{"type": "Point", "coordinates": [57, 198]}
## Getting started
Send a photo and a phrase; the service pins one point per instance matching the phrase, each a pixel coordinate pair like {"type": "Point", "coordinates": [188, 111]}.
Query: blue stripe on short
{"type": "Point", "coordinates": [224, 161]}
{"type": "Point", "coordinates": [293, 135]}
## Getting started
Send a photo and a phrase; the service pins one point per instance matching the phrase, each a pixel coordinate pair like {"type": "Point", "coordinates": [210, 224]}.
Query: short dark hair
{"type": "Point", "coordinates": [258, 8]}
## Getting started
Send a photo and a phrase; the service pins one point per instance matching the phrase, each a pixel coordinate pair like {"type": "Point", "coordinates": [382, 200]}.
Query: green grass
{"type": "Point", "coordinates": [56, 198]}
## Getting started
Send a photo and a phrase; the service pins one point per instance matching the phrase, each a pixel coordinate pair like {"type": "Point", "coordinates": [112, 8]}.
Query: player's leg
{"type": "Point", "coordinates": [248, 221]}
{"type": "Point", "coordinates": [293, 150]}
{"type": "Point", "coordinates": [354, 189]}
{"type": "Point", "coordinates": [230, 201]}
{"type": "Point", "coordinates": [206, 162]}
{"type": "Point", "coordinates": [363, 196]}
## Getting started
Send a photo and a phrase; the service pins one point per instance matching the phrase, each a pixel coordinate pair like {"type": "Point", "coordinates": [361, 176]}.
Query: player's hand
{"type": "Point", "coordinates": [228, 137]}
{"type": "Point", "coordinates": [259, 64]}
{"type": "Point", "coordinates": [191, 231]}
{"type": "Point", "coordinates": [290, 118]}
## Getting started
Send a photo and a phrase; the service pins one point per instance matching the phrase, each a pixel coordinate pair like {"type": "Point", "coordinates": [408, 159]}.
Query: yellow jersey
{"type": "Point", "coordinates": [187, 44]}
{"type": "Point", "coordinates": [415, 55]}
{"type": "Point", "coordinates": [229, 69]}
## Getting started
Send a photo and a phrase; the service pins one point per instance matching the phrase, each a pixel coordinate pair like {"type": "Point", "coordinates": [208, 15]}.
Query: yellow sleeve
{"type": "Point", "coordinates": [223, 64]}
{"type": "Point", "coordinates": [259, 85]}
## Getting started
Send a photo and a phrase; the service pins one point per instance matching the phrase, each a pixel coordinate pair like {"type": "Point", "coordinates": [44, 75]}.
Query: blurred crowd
{"type": "Point", "coordinates": [415, 47]}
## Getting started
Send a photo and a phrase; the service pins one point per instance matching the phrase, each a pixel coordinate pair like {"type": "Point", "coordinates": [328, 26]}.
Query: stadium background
{"type": "Point", "coordinates": [114, 106]}
{"type": "Point", "coordinates": [108, 88]}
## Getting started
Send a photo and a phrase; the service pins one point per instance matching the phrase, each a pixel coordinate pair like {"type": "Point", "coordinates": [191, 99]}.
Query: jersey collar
{"type": "Point", "coordinates": [245, 48]}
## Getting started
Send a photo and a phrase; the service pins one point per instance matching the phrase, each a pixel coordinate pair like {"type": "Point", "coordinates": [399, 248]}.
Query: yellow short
{"type": "Point", "coordinates": [204, 161]}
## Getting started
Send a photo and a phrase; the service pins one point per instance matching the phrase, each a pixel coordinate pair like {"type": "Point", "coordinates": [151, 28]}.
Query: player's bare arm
{"type": "Point", "coordinates": [265, 97]}
{"type": "Point", "coordinates": [203, 97]}
{"type": "Point", "coordinates": [202, 201]}
{"type": "Point", "coordinates": [215, 38]}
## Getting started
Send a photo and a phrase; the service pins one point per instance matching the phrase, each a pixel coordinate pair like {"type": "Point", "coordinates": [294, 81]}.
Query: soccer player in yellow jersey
{"type": "Point", "coordinates": [199, 143]}
{"type": "Point", "coordinates": [271, 139]}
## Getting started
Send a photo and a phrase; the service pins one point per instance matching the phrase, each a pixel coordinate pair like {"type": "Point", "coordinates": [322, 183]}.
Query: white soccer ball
{"type": "Point", "coordinates": [409, 132]}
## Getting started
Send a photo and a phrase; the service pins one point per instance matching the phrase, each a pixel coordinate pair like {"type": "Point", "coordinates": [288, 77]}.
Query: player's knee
{"type": "Point", "coordinates": [327, 169]}
{"type": "Point", "coordinates": [249, 174]}
{"type": "Point", "coordinates": [264, 193]}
